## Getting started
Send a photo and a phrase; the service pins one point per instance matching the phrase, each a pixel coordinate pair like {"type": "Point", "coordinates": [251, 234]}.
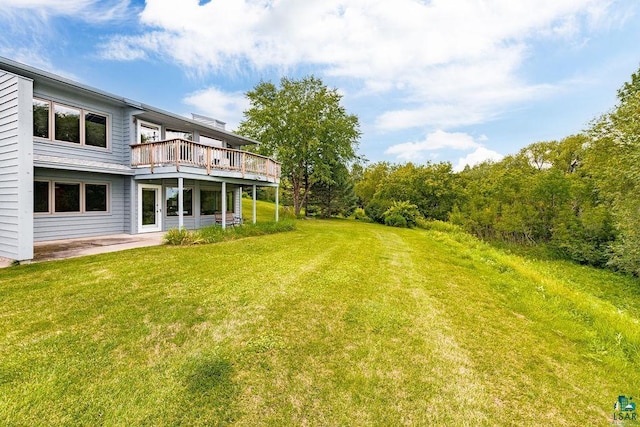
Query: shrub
{"type": "Point", "coordinates": [402, 214]}
{"type": "Point", "coordinates": [437, 225]}
{"type": "Point", "coordinates": [376, 208]}
{"type": "Point", "coordinates": [359, 214]}
{"type": "Point", "coordinates": [215, 233]}
{"type": "Point", "coordinates": [286, 212]}
{"type": "Point", "coordinates": [182, 237]}
{"type": "Point", "coordinates": [395, 220]}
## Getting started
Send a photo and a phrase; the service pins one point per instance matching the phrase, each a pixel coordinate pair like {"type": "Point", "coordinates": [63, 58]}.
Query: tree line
{"type": "Point", "coordinates": [579, 197]}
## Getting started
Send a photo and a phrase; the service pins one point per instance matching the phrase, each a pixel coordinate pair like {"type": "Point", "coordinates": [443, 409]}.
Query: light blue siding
{"type": "Point", "coordinates": [56, 226]}
{"type": "Point", "coordinates": [16, 150]}
{"type": "Point", "coordinates": [117, 151]}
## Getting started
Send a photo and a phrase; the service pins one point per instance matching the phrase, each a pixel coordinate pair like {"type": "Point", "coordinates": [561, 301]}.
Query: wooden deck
{"type": "Point", "coordinates": [180, 152]}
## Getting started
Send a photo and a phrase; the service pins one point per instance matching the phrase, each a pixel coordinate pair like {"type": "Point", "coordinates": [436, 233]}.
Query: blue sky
{"type": "Point", "coordinates": [441, 80]}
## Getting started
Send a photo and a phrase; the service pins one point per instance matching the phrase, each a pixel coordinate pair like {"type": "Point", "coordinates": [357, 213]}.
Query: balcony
{"type": "Point", "coordinates": [214, 161]}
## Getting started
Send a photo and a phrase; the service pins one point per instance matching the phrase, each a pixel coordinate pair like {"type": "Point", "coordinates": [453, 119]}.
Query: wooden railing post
{"type": "Point", "coordinates": [177, 154]}
{"type": "Point", "coordinates": [151, 150]}
{"type": "Point", "coordinates": [208, 160]}
{"type": "Point", "coordinates": [192, 153]}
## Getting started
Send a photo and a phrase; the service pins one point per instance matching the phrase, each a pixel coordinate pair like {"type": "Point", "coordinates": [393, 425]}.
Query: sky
{"type": "Point", "coordinates": [459, 81]}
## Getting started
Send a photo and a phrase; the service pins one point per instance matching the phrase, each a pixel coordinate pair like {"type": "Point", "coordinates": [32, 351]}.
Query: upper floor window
{"type": "Point", "coordinates": [66, 123]}
{"type": "Point", "coordinates": [41, 118]}
{"type": "Point", "coordinates": [69, 124]}
{"type": "Point", "coordinates": [178, 134]}
{"type": "Point", "coordinates": [211, 141]}
{"type": "Point", "coordinates": [148, 132]}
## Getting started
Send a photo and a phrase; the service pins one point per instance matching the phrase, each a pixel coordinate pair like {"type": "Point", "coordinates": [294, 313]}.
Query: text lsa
{"type": "Point", "coordinates": [625, 416]}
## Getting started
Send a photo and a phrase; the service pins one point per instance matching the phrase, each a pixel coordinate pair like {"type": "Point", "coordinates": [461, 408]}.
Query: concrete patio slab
{"type": "Point", "coordinates": [72, 248]}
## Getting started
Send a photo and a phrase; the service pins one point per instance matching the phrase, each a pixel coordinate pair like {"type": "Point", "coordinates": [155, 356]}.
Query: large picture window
{"type": "Point", "coordinates": [70, 197]}
{"type": "Point", "coordinates": [172, 201]}
{"type": "Point", "coordinates": [67, 197]}
{"type": "Point", "coordinates": [209, 202]}
{"type": "Point", "coordinates": [95, 130]}
{"type": "Point", "coordinates": [66, 123]}
{"type": "Point", "coordinates": [69, 124]}
{"type": "Point", "coordinates": [95, 197]}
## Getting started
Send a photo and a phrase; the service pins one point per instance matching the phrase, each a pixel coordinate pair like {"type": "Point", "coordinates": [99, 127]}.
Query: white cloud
{"type": "Point", "coordinates": [34, 33]}
{"type": "Point", "coordinates": [453, 63]}
{"type": "Point", "coordinates": [86, 10]}
{"type": "Point", "coordinates": [481, 154]}
{"type": "Point", "coordinates": [437, 140]}
{"type": "Point", "coordinates": [215, 103]}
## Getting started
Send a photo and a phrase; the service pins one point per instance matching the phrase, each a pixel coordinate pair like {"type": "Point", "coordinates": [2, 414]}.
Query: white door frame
{"type": "Point", "coordinates": [158, 224]}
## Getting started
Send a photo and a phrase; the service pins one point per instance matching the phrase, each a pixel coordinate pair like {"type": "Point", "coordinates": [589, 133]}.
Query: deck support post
{"type": "Point", "coordinates": [277, 209]}
{"type": "Point", "coordinates": [224, 205]}
{"type": "Point", "coordinates": [180, 203]}
{"type": "Point", "coordinates": [254, 204]}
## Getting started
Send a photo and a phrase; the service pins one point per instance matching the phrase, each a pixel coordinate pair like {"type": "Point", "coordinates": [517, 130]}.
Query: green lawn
{"type": "Point", "coordinates": [265, 211]}
{"type": "Point", "coordinates": [336, 323]}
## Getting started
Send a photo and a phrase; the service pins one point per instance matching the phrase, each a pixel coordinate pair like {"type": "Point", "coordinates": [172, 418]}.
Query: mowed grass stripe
{"type": "Point", "coordinates": [336, 323]}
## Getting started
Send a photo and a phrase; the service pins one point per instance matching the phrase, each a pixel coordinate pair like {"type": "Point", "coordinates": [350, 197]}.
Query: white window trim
{"type": "Point", "coordinates": [139, 124]}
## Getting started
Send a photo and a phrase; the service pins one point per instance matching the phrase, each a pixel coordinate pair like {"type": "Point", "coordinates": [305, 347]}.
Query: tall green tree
{"type": "Point", "coordinates": [337, 196]}
{"type": "Point", "coordinates": [302, 124]}
{"type": "Point", "coordinates": [614, 159]}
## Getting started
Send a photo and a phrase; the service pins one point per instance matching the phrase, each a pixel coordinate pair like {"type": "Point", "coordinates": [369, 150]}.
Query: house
{"type": "Point", "coordinates": [78, 162]}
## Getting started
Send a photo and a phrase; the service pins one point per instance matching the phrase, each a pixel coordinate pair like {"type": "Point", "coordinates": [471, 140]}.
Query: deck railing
{"type": "Point", "coordinates": [182, 152]}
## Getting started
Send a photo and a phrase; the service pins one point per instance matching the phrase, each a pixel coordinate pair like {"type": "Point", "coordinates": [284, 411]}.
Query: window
{"type": "Point", "coordinates": [69, 124]}
{"type": "Point", "coordinates": [207, 140]}
{"type": "Point", "coordinates": [209, 202]}
{"type": "Point", "coordinates": [40, 118]}
{"type": "Point", "coordinates": [66, 123]}
{"type": "Point", "coordinates": [178, 134]}
{"type": "Point", "coordinates": [41, 197]}
{"type": "Point", "coordinates": [172, 201]}
{"type": "Point", "coordinates": [148, 132]}
{"type": "Point", "coordinates": [67, 197]}
{"type": "Point", "coordinates": [70, 197]}
{"type": "Point", "coordinates": [95, 130]}
{"type": "Point", "coordinates": [230, 201]}
{"type": "Point", "coordinates": [95, 199]}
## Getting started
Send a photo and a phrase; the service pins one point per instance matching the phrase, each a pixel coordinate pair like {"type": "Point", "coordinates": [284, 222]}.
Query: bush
{"type": "Point", "coordinates": [182, 237]}
{"type": "Point", "coordinates": [402, 214]}
{"type": "Point", "coordinates": [287, 212]}
{"type": "Point", "coordinates": [215, 233]}
{"type": "Point", "coordinates": [359, 214]}
{"type": "Point", "coordinates": [395, 220]}
{"type": "Point", "coordinates": [376, 208]}
{"type": "Point", "coordinates": [437, 225]}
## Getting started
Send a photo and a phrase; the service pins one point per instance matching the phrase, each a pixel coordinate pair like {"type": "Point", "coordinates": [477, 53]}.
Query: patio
{"type": "Point", "coordinates": [71, 248]}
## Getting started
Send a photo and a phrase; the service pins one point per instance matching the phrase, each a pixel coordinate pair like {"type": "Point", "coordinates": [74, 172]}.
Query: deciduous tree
{"type": "Point", "coordinates": [302, 124]}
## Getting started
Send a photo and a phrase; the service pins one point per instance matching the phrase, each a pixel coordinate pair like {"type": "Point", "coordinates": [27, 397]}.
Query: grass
{"type": "Point", "coordinates": [336, 323]}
